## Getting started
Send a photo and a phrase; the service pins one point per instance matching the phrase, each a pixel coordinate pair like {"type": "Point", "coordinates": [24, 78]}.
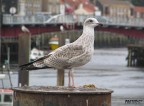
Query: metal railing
{"type": "Point", "coordinates": [8, 39]}
{"type": "Point", "coordinates": [70, 19]}
{"type": "Point", "coordinates": [17, 19]}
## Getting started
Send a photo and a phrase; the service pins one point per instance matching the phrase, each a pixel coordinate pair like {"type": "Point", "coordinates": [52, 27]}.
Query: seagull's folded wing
{"type": "Point", "coordinates": [62, 55]}
{"type": "Point", "coordinates": [57, 58]}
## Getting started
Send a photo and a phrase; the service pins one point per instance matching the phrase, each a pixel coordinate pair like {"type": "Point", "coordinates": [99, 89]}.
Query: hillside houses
{"type": "Point", "coordinates": [115, 8]}
{"type": "Point", "coordinates": [139, 12]}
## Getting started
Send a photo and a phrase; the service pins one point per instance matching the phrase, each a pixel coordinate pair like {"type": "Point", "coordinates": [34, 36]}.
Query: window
{"type": "Point", "coordinates": [106, 10]}
{"type": "Point", "coordinates": [7, 98]}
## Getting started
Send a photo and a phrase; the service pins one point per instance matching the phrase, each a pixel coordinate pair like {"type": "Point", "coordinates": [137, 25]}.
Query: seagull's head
{"type": "Point", "coordinates": [91, 22]}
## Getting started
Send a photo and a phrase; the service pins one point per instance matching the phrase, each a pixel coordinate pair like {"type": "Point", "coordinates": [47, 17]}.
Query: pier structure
{"type": "Point", "coordinates": [135, 55]}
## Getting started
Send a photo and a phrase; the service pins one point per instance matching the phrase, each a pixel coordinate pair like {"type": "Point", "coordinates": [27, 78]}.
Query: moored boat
{"type": "Point", "coordinates": [6, 97]}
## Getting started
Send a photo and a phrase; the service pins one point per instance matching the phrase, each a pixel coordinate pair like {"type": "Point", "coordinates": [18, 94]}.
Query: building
{"type": "Point", "coordinates": [7, 4]}
{"type": "Point", "coordinates": [79, 7]}
{"type": "Point", "coordinates": [85, 9]}
{"type": "Point", "coordinates": [138, 12]}
{"type": "Point", "coordinates": [51, 6]}
{"type": "Point", "coordinates": [45, 5]}
{"type": "Point", "coordinates": [29, 7]}
{"type": "Point", "coordinates": [117, 8]}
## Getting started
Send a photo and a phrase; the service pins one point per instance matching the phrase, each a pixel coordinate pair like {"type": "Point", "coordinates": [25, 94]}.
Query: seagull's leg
{"type": "Point", "coordinates": [69, 79]}
{"type": "Point", "coordinates": [72, 77]}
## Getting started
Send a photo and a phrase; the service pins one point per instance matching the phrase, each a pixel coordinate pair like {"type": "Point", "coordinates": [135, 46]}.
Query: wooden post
{"type": "Point", "coordinates": [129, 57]}
{"type": "Point", "coordinates": [61, 96]}
{"type": "Point", "coordinates": [24, 52]}
{"type": "Point", "coordinates": [60, 77]}
{"type": "Point", "coordinates": [60, 73]}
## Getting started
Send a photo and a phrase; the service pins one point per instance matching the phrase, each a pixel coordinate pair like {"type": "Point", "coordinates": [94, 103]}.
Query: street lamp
{"type": "Point", "coordinates": [12, 12]}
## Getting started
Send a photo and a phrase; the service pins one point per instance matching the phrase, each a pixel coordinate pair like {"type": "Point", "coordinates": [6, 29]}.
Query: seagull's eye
{"type": "Point", "coordinates": [90, 20]}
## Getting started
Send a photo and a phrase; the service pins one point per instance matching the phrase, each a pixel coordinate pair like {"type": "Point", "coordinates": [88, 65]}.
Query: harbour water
{"type": "Point", "coordinates": [107, 69]}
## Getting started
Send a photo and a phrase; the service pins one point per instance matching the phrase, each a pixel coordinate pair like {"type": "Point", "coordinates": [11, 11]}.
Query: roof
{"type": "Point", "coordinates": [116, 2]}
{"type": "Point", "coordinates": [139, 9]}
{"type": "Point", "coordinates": [74, 4]}
{"type": "Point", "coordinates": [89, 7]}
{"type": "Point", "coordinates": [83, 10]}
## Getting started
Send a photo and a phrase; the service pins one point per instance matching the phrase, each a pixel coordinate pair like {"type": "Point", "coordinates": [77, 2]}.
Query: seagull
{"type": "Point", "coordinates": [62, 28]}
{"type": "Point", "coordinates": [71, 55]}
{"type": "Point", "coordinates": [25, 29]}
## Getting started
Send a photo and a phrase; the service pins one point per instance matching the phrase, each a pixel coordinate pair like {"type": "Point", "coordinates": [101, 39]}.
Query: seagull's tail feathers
{"type": "Point", "coordinates": [35, 65]}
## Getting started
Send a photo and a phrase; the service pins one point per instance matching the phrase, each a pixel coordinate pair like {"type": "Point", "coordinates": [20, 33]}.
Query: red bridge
{"type": "Point", "coordinates": [15, 30]}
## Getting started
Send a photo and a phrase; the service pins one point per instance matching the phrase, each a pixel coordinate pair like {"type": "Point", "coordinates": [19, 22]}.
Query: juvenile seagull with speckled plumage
{"type": "Point", "coordinates": [71, 55]}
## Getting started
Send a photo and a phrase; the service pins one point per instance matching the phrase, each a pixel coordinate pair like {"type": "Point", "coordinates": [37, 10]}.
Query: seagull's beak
{"type": "Point", "coordinates": [100, 24]}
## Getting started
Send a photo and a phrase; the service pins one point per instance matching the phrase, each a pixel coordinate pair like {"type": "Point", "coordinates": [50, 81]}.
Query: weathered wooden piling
{"type": "Point", "coordinates": [135, 55]}
{"type": "Point", "coordinates": [60, 73]}
{"type": "Point", "coordinates": [61, 96]}
{"type": "Point", "coordinates": [23, 54]}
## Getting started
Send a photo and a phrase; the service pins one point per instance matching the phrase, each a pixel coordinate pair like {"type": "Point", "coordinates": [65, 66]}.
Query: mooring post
{"type": "Point", "coordinates": [61, 96]}
{"type": "Point", "coordinates": [60, 72]}
{"type": "Point", "coordinates": [129, 57]}
{"type": "Point", "coordinates": [60, 77]}
{"type": "Point", "coordinates": [23, 57]}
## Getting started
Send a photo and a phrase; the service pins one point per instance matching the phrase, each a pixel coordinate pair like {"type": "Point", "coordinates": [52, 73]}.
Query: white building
{"type": "Point", "coordinates": [29, 7]}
